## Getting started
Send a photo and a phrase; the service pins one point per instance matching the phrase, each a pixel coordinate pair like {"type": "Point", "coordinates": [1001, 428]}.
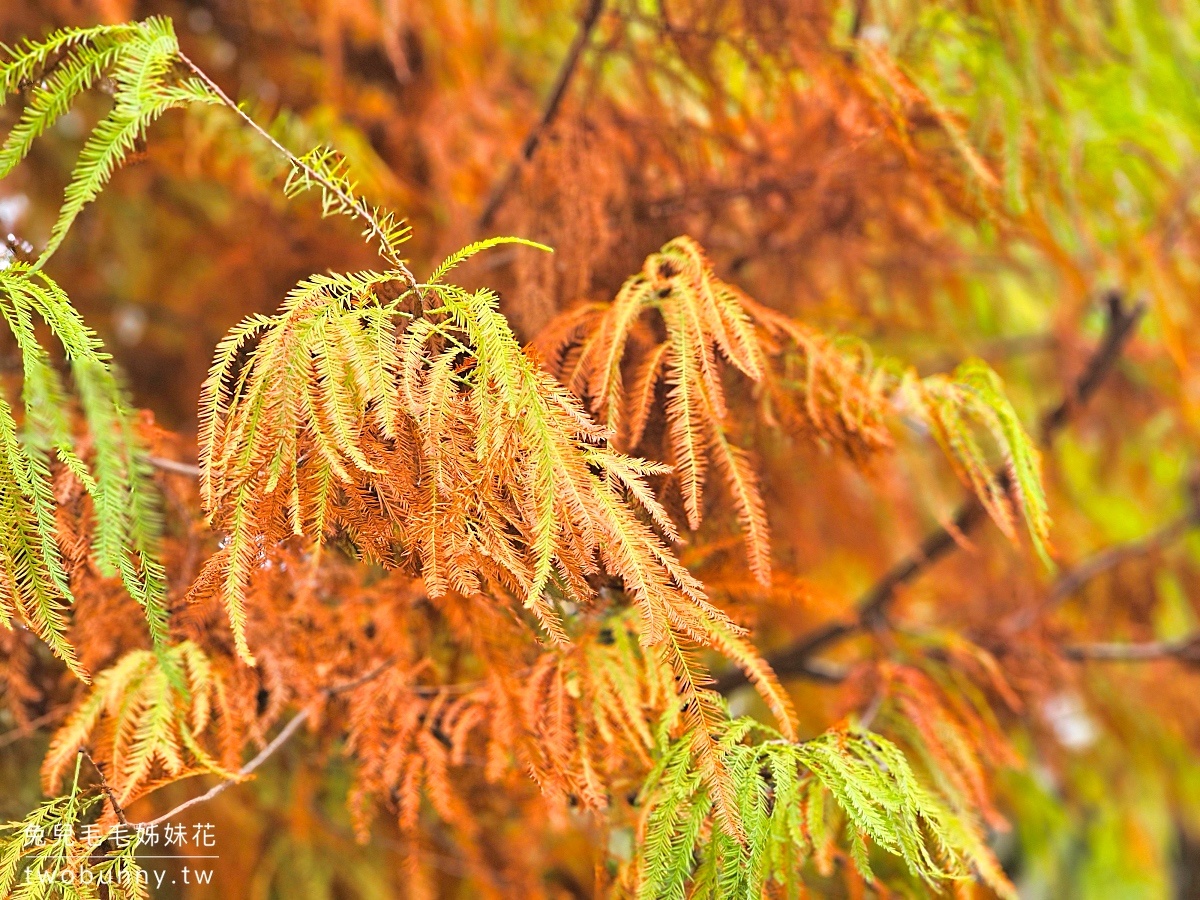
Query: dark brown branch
{"type": "Point", "coordinates": [796, 658]}
{"type": "Point", "coordinates": [1073, 580]}
{"type": "Point", "coordinates": [1121, 324]}
{"type": "Point", "coordinates": [106, 788]}
{"type": "Point", "coordinates": [590, 17]}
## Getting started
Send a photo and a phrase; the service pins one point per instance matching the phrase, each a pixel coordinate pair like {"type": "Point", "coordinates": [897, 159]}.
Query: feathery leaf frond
{"type": "Point", "coordinates": [142, 721]}
{"type": "Point", "coordinates": [806, 382]}
{"type": "Point", "coordinates": [486, 472]}
{"type": "Point", "coordinates": [487, 468]}
{"type": "Point", "coordinates": [127, 518]}
{"type": "Point", "coordinates": [138, 58]}
{"type": "Point", "coordinates": [49, 855]}
{"type": "Point", "coordinates": [704, 319]}
{"type": "Point", "coordinates": [953, 405]}
{"type": "Point", "coordinates": [783, 791]}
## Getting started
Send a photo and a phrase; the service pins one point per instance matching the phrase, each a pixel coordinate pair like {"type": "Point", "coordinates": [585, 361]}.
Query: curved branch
{"type": "Point", "coordinates": [1073, 580]}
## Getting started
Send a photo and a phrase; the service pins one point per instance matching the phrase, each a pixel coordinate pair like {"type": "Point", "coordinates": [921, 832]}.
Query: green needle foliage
{"type": "Point", "coordinates": [33, 582]}
{"type": "Point", "coordinates": [956, 407]}
{"type": "Point", "coordinates": [792, 800]}
{"type": "Point", "coordinates": [138, 59]}
{"type": "Point", "coordinates": [49, 854]}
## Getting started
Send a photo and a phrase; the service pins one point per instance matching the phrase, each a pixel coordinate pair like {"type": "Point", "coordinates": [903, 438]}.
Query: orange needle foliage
{"type": "Point", "coordinates": [435, 612]}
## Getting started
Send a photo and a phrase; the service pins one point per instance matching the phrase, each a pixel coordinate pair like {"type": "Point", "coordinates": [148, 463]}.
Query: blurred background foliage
{"type": "Point", "coordinates": [942, 179]}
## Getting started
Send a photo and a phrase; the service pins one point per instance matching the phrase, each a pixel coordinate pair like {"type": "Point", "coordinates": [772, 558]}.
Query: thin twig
{"type": "Point", "coordinates": [1121, 324]}
{"type": "Point", "coordinates": [796, 658]}
{"type": "Point", "coordinates": [369, 675]}
{"type": "Point", "coordinates": [104, 786]}
{"type": "Point", "coordinates": [565, 73]}
{"type": "Point", "coordinates": [1185, 649]}
{"type": "Point", "coordinates": [359, 207]}
{"type": "Point", "coordinates": [23, 731]}
{"type": "Point", "coordinates": [170, 465]}
{"type": "Point", "coordinates": [278, 741]}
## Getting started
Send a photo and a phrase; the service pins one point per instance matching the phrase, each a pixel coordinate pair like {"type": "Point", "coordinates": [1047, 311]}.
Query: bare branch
{"type": "Point", "coordinates": [106, 788]}
{"type": "Point", "coordinates": [796, 658]}
{"type": "Point", "coordinates": [278, 741]}
{"type": "Point", "coordinates": [1185, 649]}
{"type": "Point", "coordinates": [1121, 324]}
{"type": "Point", "coordinates": [570, 63]}
{"type": "Point", "coordinates": [170, 465]}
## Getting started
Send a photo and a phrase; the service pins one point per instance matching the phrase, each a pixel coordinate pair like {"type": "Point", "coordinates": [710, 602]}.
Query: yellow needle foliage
{"type": "Point", "coordinates": [145, 725]}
